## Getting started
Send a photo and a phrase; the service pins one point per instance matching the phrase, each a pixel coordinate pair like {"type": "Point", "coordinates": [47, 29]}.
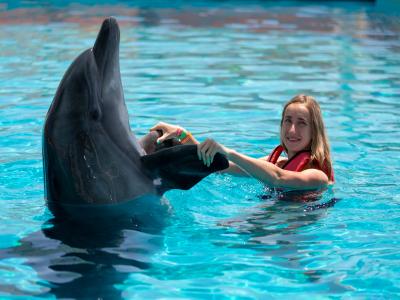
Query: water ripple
{"type": "Point", "coordinates": [221, 70]}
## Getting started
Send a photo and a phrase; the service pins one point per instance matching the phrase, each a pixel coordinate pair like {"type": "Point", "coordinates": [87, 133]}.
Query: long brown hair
{"type": "Point", "coordinates": [320, 150]}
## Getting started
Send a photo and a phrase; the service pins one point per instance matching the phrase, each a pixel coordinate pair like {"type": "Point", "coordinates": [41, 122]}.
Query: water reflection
{"type": "Point", "coordinates": [278, 213]}
{"type": "Point", "coordinates": [257, 18]}
{"type": "Point", "coordinates": [86, 261]}
{"type": "Point", "coordinates": [285, 232]}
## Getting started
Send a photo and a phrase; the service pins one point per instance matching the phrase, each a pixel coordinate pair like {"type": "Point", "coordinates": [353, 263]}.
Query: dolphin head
{"type": "Point", "coordinates": [90, 153]}
{"type": "Point", "coordinates": [91, 91]}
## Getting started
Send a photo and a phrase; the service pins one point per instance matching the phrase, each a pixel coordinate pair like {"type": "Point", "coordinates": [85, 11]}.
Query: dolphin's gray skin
{"type": "Point", "coordinates": [93, 163]}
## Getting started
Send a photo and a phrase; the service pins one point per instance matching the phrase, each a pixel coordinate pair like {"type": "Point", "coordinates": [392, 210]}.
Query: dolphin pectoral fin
{"type": "Point", "coordinates": [179, 167]}
{"type": "Point", "coordinates": [149, 142]}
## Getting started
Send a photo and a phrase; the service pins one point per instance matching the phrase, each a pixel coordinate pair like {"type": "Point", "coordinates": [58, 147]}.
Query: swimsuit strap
{"type": "Point", "coordinates": [274, 156]}
{"type": "Point", "coordinates": [298, 162]}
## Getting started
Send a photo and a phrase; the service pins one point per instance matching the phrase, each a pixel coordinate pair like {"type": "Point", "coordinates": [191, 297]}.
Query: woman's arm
{"type": "Point", "coordinates": [262, 170]}
{"type": "Point", "coordinates": [235, 170]}
{"type": "Point", "coordinates": [170, 131]}
{"type": "Point", "coordinates": [272, 175]}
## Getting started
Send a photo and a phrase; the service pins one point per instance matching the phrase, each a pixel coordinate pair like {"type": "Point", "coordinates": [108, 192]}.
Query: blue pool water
{"type": "Point", "coordinates": [222, 70]}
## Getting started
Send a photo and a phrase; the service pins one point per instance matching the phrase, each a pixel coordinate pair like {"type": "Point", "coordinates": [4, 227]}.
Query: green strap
{"type": "Point", "coordinates": [182, 135]}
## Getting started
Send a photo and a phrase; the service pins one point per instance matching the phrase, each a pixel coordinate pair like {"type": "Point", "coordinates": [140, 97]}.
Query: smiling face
{"type": "Point", "coordinates": [296, 131]}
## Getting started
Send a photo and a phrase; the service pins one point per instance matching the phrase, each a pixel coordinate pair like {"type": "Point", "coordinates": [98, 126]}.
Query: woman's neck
{"type": "Point", "coordinates": [290, 154]}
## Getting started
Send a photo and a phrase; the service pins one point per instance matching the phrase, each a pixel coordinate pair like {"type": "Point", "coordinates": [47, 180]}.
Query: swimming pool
{"type": "Point", "coordinates": [222, 70]}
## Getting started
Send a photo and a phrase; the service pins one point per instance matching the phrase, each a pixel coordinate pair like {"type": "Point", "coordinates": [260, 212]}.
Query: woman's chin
{"type": "Point", "coordinates": [295, 148]}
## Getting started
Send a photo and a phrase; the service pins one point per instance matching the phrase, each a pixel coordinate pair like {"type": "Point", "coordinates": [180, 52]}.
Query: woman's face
{"type": "Point", "coordinates": [296, 128]}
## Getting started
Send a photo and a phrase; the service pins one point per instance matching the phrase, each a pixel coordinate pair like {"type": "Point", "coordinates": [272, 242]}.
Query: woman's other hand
{"type": "Point", "coordinates": [169, 131]}
{"type": "Point", "coordinates": [207, 150]}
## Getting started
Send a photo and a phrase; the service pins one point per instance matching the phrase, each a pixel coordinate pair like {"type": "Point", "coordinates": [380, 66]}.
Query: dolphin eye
{"type": "Point", "coordinates": [95, 114]}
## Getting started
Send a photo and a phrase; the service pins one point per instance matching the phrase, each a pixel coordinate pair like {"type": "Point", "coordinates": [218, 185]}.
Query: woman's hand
{"type": "Point", "coordinates": [169, 131]}
{"type": "Point", "coordinates": [207, 150]}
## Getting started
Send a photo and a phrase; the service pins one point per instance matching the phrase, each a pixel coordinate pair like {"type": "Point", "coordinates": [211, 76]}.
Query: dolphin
{"type": "Point", "coordinates": [93, 163]}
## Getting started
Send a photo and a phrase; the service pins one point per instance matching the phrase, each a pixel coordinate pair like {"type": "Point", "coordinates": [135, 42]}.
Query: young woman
{"type": "Point", "coordinates": [308, 163]}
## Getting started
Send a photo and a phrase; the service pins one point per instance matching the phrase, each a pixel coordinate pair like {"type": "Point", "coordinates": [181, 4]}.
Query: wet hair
{"type": "Point", "coordinates": [320, 150]}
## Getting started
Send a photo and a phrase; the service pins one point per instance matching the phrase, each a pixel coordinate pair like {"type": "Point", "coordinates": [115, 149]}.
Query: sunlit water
{"type": "Point", "coordinates": [222, 71]}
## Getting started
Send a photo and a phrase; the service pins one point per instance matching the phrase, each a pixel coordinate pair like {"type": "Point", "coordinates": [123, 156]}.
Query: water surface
{"type": "Point", "coordinates": [222, 70]}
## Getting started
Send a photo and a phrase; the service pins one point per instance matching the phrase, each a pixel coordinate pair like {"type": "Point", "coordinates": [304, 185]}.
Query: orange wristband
{"type": "Point", "coordinates": [186, 138]}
